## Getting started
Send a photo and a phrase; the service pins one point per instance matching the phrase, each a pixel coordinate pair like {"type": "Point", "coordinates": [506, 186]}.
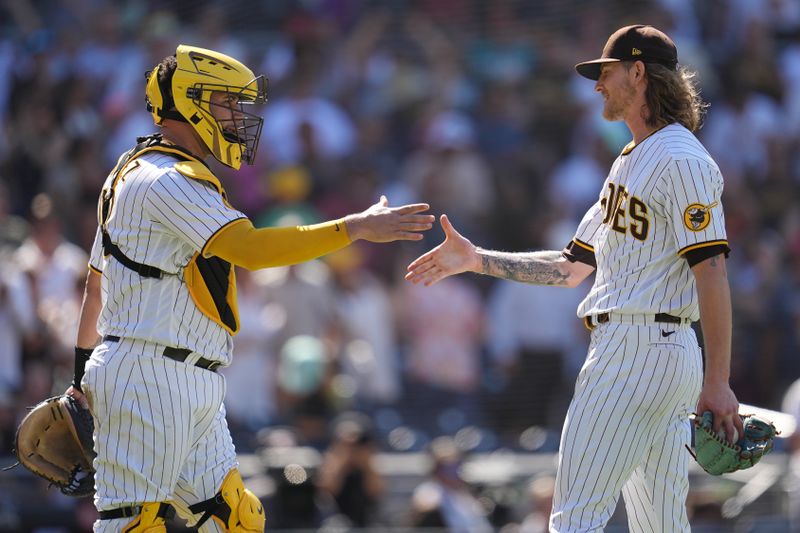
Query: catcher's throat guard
{"type": "Point", "coordinates": [54, 441]}
{"type": "Point", "coordinates": [718, 456]}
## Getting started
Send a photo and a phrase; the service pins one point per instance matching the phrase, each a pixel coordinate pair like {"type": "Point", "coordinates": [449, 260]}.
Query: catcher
{"type": "Point", "coordinates": [159, 311]}
{"type": "Point", "coordinates": [717, 455]}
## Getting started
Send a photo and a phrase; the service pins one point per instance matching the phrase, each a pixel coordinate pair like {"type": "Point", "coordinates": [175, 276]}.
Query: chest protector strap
{"type": "Point", "coordinates": [211, 280]}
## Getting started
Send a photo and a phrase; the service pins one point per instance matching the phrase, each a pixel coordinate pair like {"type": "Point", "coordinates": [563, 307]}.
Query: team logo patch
{"type": "Point", "coordinates": [697, 217]}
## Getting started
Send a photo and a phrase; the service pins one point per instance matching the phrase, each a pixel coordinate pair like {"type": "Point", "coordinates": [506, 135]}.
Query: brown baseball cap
{"type": "Point", "coordinates": [633, 43]}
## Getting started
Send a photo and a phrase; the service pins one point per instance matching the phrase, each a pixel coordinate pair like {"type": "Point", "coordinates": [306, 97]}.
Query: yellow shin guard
{"type": "Point", "coordinates": [151, 519]}
{"type": "Point", "coordinates": [234, 507]}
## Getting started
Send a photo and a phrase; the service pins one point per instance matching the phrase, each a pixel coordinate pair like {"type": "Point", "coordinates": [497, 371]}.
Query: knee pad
{"type": "Point", "coordinates": [151, 519]}
{"type": "Point", "coordinates": [234, 507]}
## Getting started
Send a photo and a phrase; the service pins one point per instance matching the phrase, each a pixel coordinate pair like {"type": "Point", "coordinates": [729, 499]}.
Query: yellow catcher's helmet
{"type": "Point", "coordinates": [199, 73]}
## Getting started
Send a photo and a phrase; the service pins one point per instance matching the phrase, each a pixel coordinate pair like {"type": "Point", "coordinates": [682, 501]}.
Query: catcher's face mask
{"type": "Point", "coordinates": [200, 77]}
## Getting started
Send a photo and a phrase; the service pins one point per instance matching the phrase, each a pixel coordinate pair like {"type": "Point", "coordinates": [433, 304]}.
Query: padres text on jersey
{"type": "Point", "coordinates": [660, 199]}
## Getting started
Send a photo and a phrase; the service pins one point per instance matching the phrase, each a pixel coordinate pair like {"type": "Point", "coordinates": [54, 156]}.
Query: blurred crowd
{"type": "Point", "coordinates": [470, 106]}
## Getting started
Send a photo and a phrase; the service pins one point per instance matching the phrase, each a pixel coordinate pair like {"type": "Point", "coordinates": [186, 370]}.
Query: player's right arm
{"type": "Point", "coordinates": [87, 332]}
{"type": "Point", "coordinates": [88, 337]}
{"type": "Point", "coordinates": [92, 305]}
{"type": "Point", "coordinates": [457, 254]}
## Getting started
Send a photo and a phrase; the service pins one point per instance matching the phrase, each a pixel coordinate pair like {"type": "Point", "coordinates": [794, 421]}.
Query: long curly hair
{"type": "Point", "coordinates": [673, 96]}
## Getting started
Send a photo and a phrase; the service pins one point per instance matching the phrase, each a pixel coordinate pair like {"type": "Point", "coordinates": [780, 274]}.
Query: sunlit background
{"type": "Point", "coordinates": [357, 400]}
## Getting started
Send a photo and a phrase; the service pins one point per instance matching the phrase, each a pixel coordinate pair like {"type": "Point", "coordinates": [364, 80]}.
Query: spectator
{"type": "Point", "coordinates": [444, 327]}
{"type": "Point", "coordinates": [56, 270]}
{"type": "Point", "coordinates": [531, 351]}
{"type": "Point", "coordinates": [368, 345]}
{"type": "Point", "coordinates": [450, 173]}
{"type": "Point", "coordinates": [540, 494]}
{"type": "Point", "coordinates": [13, 228]}
{"type": "Point", "coordinates": [304, 373]}
{"type": "Point", "coordinates": [445, 500]}
{"type": "Point", "coordinates": [299, 301]}
{"type": "Point", "coordinates": [250, 399]}
{"type": "Point", "coordinates": [17, 323]}
{"type": "Point", "coordinates": [306, 128]}
{"type": "Point", "coordinates": [348, 473]}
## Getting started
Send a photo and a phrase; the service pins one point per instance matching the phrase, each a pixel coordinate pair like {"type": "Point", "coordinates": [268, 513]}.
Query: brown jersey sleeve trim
{"type": "Point", "coordinates": [579, 251]}
{"type": "Point", "coordinates": [698, 253]}
{"type": "Point", "coordinates": [583, 245]}
{"type": "Point", "coordinates": [702, 245]}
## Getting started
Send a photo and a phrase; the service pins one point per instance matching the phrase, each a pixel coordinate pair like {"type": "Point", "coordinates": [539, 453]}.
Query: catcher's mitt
{"type": "Point", "coordinates": [718, 456]}
{"type": "Point", "coordinates": [54, 441]}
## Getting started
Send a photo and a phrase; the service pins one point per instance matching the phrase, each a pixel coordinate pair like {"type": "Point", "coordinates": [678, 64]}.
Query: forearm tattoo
{"type": "Point", "coordinates": [538, 268]}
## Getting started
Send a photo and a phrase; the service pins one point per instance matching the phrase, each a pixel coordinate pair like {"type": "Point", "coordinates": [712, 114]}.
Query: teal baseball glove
{"type": "Point", "coordinates": [717, 456]}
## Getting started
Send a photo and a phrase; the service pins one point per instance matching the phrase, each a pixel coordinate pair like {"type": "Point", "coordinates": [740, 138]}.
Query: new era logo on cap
{"type": "Point", "coordinates": [633, 43]}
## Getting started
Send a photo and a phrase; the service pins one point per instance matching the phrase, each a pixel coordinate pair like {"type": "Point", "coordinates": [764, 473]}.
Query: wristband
{"type": "Point", "coordinates": [81, 356]}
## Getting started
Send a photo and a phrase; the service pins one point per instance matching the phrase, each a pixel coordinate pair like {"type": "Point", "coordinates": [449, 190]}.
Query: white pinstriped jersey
{"type": "Point", "coordinates": [160, 218]}
{"type": "Point", "coordinates": [660, 200]}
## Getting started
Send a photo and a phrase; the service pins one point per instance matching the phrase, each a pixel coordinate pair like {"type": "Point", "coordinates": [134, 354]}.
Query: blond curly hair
{"type": "Point", "coordinates": [673, 96]}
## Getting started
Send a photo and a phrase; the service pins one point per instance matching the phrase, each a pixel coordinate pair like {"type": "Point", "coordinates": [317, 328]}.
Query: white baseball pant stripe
{"type": "Point", "coordinates": [160, 429]}
{"type": "Point", "coordinates": [626, 428]}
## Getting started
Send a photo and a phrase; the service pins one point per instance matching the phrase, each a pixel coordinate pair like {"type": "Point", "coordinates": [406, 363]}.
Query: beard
{"type": "Point", "coordinates": [616, 105]}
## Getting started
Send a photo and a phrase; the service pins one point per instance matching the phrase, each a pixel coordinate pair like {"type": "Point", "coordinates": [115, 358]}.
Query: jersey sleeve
{"type": "Point", "coordinates": [192, 209]}
{"type": "Point", "coordinates": [693, 192]}
{"type": "Point", "coordinates": [581, 248]}
{"type": "Point", "coordinates": [96, 253]}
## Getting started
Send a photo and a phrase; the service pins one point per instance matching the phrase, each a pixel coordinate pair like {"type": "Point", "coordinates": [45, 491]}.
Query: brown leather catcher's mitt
{"type": "Point", "coordinates": [54, 441]}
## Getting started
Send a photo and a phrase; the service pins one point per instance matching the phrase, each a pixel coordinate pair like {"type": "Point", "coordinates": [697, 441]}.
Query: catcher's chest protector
{"type": "Point", "coordinates": [211, 280]}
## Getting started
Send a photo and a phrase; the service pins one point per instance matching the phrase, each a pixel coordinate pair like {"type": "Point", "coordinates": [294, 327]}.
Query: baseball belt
{"type": "Point", "coordinates": [592, 322]}
{"type": "Point", "coordinates": [178, 354]}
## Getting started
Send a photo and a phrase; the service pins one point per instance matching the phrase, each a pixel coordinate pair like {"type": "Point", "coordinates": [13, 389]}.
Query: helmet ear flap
{"type": "Point", "coordinates": [153, 97]}
{"type": "Point", "coordinates": [158, 98]}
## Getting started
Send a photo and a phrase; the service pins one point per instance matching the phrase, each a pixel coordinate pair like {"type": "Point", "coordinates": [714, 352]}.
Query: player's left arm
{"type": "Point", "coordinates": [458, 254]}
{"type": "Point", "coordinates": [693, 204]}
{"type": "Point", "coordinates": [714, 297]}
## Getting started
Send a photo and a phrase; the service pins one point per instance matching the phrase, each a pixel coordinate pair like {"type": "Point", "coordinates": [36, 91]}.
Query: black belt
{"type": "Point", "coordinates": [178, 354]}
{"type": "Point", "coordinates": [165, 510]}
{"type": "Point", "coordinates": [602, 318]}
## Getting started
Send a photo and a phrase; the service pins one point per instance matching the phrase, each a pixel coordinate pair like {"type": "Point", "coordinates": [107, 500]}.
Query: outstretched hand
{"type": "Point", "coordinates": [455, 255]}
{"type": "Point", "coordinates": [381, 223]}
{"type": "Point", "coordinates": [720, 400]}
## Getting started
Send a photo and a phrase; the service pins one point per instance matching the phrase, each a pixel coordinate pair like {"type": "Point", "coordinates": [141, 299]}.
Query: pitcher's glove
{"type": "Point", "coordinates": [718, 456]}
{"type": "Point", "coordinates": [54, 441]}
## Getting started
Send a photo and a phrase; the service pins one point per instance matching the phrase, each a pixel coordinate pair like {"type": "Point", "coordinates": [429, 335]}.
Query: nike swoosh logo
{"type": "Point", "coordinates": [666, 333]}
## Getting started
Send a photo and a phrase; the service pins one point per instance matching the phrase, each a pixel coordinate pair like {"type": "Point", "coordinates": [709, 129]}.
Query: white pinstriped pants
{"type": "Point", "coordinates": [160, 430]}
{"type": "Point", "coordinates": [626, 429]}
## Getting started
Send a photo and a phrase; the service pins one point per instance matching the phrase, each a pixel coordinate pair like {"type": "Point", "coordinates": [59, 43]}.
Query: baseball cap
{"type": "Point", "coordinates": [633, 43]}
